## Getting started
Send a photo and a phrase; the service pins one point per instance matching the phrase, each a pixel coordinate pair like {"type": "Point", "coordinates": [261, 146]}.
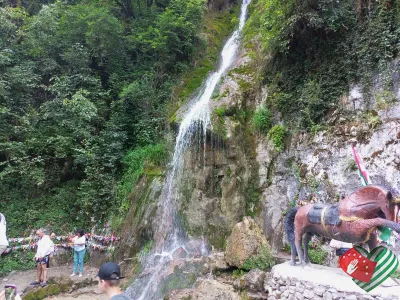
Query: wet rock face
{"type": "Point", "coordinates": [245, 242]}
{"type": "Point", "coordinates": [138, 225]}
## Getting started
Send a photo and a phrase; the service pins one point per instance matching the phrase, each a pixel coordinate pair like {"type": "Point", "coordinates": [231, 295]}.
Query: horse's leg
{"type": "Point", "coordinates": [371, 223]}
{"type": "Point", "coordinates": [372, 242]}
{"type": "Point", "coordinates": [306, 241]}
{"type": "Point", "coordinates": [298, 241]}
{"type": "Point", "coordinates": [293, 254]}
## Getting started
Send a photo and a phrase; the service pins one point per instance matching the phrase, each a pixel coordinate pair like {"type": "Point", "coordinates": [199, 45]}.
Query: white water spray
{"type": "Point", "coordinates": [169, 236]}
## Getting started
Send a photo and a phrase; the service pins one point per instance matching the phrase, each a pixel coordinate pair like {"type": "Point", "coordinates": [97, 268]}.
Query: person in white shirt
{"type": "Point", "coordinates": [52, 249]}
{"type": "Point", "coordinates": [340, 248]}
{"type": "Point", "coordinates": [3, 234]}
{"type": "Point", "coordinates": [79, 245]}
{"type": "Point", "coordinates": [44, 248]}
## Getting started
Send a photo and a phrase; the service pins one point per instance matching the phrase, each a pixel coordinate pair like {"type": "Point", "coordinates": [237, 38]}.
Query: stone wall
{"type": "Point", "coordinates": [321, 282]}
{"type": "Point", "coordinates": [292, 288]}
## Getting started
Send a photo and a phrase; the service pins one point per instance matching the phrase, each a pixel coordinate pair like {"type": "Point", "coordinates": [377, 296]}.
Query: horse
{"type": "Point", "coordinates": [352, 220]}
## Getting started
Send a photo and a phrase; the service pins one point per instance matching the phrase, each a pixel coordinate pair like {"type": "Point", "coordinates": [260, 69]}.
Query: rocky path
{"type": "Point", "coordinates": [22, 279]}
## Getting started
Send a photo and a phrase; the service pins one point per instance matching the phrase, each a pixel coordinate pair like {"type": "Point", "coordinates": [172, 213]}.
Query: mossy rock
{"type": "Point", "coordinates": [50, 290]}
{"type": "Point", "coordinates": [57, 286]}
{"type": "Point", "coordinates": [177, 280]}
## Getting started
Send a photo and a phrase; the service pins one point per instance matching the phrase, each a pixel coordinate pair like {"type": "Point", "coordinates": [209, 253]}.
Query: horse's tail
{"type": "Point", "coordinates": [289, 224]}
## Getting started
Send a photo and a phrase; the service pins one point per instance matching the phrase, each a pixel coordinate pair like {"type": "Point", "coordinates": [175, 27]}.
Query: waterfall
{"type": "Point", "coordinates": [170, 237]}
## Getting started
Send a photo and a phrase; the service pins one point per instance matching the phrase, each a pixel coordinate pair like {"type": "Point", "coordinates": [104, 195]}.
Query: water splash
{"type": "Point", "coordinates": [171, 239]}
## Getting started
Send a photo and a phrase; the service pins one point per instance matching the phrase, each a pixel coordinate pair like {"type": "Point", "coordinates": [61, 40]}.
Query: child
{"type": "Point", "coordinates": [109, 280]}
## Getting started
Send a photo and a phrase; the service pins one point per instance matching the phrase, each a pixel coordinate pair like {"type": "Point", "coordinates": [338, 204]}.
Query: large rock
{"type": "Point", "coordinates": [252, 281]}
{"type": "Point", "coordinates": [244, 242]}
{"type": "Point", "coordinates": [206, 290]}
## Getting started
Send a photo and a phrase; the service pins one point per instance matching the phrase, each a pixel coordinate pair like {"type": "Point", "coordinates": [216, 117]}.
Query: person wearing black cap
{"type": "Point", "coordinates": [109, 280]}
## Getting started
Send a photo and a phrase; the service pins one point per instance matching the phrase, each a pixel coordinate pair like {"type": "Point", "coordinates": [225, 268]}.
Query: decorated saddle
{"type": "Point", "coordinates": [322, 213]}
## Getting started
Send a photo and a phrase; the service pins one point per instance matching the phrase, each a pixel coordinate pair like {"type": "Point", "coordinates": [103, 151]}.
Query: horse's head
{"type": "Point", "coordinates": [390, 206]}
{"type": "Point", "coordinates": [396, 208]}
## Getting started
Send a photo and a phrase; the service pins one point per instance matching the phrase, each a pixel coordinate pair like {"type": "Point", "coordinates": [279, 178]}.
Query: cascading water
{"type": "Point", "coordinates": [169, 235]}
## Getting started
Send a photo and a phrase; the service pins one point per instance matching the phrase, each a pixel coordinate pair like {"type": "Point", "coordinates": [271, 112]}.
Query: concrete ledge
{"type": "Point", "coordinates": [334, 280]}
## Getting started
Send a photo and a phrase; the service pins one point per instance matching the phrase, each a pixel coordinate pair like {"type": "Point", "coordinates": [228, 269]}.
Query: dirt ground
{"type": "Point", "coordinates": [22, 279]}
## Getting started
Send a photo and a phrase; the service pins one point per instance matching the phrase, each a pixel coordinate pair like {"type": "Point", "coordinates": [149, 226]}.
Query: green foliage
{"type": "Point", "coordinates": [277, 135]}
{"type": "Point", "coordinates": [396, 275]}
{"type": "Point", "coordinates": [286, 248]}
{"type": "Point", "coordinates": [145, 250]}
{"type": "Point", "coordinates": [220, 111]}
{"type": "Point", "coordinates": [262, 119]}
{"type": "Point", "coordinates": [81, 84]}
{"type": "Point", "coordinates": [352, 165]}
{"type": "Point", "coordinates": [263, 261]}
{"type": "Point", "coordinates": [317, 255]}
{"type": "Point", "coordinates": [15, 261]}
{"type": "Point", "coordinates": [219, 121]}
{"type": "Point", "coordinates": [50, 290]}
{"type": "Point", "coordinates": [372, 119]}
{"type": "Point", "coordinates": [317, 48]}
{"type": "Point", "coordinates": [252, 196]}
{"type": "Point", "coordinates": [139, 161]}
{"type": "Point", "coordinates": [238, 273]}
{"type": "Point", "coordinates": [385, 99]}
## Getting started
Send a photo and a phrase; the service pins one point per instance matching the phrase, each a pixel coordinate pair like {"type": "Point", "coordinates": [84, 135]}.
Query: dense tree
{"type": "Point", "coordinates": [81, 83]}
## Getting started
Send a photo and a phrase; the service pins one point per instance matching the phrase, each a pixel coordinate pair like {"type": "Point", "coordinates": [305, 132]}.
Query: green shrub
{"type": "Point", "coordinates": [238, 273]}
{"type": "Point", "coordinates": [313, 50]}
{"type": "Point", "coordinates": [277, 135]}
{"type": "Point", "coordinates": [263, 261]}
{"type": "Point", "coordinates": [286, 248]}
{"type": "Point", "coordinates": [220, 111]}
{"type": "Point", "coordinates": [17, 260]}
{"type": "Point", "coordinates": [317, 255]}
{"type": "Point", "coordinates": [141, 160]}
{"type": "Point", "coordinates": [262, 119]}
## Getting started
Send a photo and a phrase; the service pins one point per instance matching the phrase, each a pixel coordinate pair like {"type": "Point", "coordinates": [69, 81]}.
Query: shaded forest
{"type": "Point", "coordinates": [81, 84]}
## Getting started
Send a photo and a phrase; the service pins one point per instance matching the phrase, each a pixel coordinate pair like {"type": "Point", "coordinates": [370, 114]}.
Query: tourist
{"type": "Point", "coordinates": [3, 234]}
{"type": "Point", "coordinates": [44, 249]}
{"type": "Point", "coordinates": [109, 281]}
{"type": "Point", "coordinates": [52, 237]}
{"type": "Point", "coordinates": [341, 248]}
{"type": "Point", "coordinates": [79, 245]}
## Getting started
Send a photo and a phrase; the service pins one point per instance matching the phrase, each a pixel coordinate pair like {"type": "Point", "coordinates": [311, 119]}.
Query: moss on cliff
{"type": "Point", "coordinates": [216, 28]}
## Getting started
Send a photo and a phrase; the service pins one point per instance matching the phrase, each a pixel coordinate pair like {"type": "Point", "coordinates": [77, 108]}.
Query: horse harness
{"type": "Point", "coordinates": [324, 214]}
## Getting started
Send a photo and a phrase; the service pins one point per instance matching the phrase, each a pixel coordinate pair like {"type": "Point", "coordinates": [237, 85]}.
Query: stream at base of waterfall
{"type": "Point", "coordinates": [171, 242]}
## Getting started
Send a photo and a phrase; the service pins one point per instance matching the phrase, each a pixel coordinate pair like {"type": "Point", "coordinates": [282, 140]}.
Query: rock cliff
{"type": "Point", "coordinates": [239, 172]}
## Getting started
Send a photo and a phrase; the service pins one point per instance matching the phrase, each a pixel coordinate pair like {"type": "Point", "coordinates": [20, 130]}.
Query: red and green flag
{"type": "Point", "coordinates": [362, 171]}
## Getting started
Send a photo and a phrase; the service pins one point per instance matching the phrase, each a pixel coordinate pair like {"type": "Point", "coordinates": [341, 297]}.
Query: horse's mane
{"type": "Point", "coordinates": [392, 193]}
{"type": "Point", "coordinates": [384, 183]}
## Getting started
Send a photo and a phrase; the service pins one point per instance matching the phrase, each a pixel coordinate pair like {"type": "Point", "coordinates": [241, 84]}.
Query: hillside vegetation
{"type": "Point", "coordinates": [315, 49]}
{"type": "Point", "coordinates": [85, 96]}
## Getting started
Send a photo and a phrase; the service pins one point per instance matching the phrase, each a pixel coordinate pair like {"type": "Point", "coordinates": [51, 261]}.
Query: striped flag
{"type": "Point", "coordinates": [362, 171]}
{"type": "Point", "coordinates": [387, 264]}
